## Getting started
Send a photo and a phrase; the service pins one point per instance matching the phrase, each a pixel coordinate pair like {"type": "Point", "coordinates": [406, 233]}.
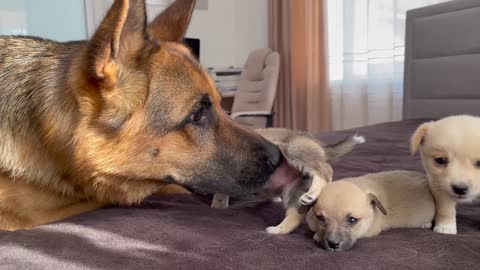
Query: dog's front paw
{"type": "Point", "coordinates": [449, 228]}
{"type": "Point", "coordinates": [220, 201]}
{"type": "Point", "coordinates": [275, 230]}
{"type": "Point", "coordinates": [307, 199]}
{"type": "Point", "coordinates": [317, 237]}
{"type": "Point", "coordinates": [219, 204]}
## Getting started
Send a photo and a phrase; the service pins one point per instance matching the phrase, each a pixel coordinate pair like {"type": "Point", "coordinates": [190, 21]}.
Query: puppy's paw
{"type": "Point", "coordinates": [426, 226]}
{"type": "Point", "coordinates": [357, 139]}
{"type": "Point", "coordinates": [307, 199]}
{"type": "Point", "coordinates": [449, 228]}
{"type": "Point", "coordinates": [275, 230]}
{"type": "Point", "coordinates": [277, 199]}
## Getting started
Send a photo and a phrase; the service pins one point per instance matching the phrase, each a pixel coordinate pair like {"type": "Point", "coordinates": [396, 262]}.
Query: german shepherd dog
{"type": "Point", "coordinates": [115, 119]}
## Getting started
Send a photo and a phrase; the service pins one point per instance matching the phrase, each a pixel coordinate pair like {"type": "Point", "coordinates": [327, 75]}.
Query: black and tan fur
{"type": "Point", "coordinates": [115, 119]}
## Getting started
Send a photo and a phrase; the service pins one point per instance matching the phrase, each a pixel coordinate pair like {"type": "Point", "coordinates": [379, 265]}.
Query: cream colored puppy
{"type": "Point", "coordinates": [361, 207]}
{"type": "Point", "coordinates": [450, 151]}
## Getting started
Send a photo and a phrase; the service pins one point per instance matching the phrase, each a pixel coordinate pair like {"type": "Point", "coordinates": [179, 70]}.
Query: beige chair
{"type": "Point", "coordinates": [256, 90]}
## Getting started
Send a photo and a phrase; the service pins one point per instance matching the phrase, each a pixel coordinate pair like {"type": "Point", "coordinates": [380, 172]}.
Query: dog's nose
{"type": "Point", "coordinates": [274, 156]}
{"type": "Point", "coordinates": [271, 166]}
{"type": "Point", "coordinates": [460, 189]}
{"type": "Point", "coordinates": [334, 244]}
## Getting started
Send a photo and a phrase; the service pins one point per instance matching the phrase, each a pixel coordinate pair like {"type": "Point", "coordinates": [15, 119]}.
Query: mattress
{"type": "Point", "coordinates": [183, 232]}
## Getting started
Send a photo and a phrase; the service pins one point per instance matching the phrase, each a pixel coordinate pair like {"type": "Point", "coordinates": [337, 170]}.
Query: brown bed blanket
{"type": "Point", "coordinates": [185, 233]}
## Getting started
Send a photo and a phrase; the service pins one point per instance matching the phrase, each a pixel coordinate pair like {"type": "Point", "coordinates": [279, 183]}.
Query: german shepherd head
{"type": "Point", "coordinates": [150, 112]}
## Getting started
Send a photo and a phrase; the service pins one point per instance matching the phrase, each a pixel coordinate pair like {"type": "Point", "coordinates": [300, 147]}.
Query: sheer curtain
{"type": "Point", "coordinates": [366, 52]}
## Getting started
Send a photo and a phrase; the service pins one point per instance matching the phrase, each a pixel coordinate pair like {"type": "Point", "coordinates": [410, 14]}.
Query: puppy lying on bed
{"type": "Point", "coordinates": [450, 151]}
{"type": "Point", "coordinates": [361, 207]}
{"type": "Point", "coordinates": [307, 162]}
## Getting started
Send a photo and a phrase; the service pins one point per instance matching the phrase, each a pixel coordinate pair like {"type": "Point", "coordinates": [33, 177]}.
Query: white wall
{"type": "Point", "coordinates": [55, 19]}
{"type": "Point", "coordinates": [251, 28]}
{"type": "Point", "coordinates": [215, 28]}
{"type": "Point", "coordinates": [228, 29]}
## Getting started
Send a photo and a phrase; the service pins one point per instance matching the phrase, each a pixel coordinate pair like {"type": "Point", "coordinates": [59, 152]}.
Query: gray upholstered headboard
{"type": "Point", "coordinates": [442, 60]}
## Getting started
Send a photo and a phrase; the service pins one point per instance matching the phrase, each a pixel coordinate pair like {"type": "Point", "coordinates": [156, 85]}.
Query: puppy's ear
{"type": "Point", "coordinates": [376, 203]}
{"type": "Point", "coordinates": [119, 37]}
{"type": "Point", "coordinates": [418, 137]}
{"type": "Point", "coordinates": [172, 24]}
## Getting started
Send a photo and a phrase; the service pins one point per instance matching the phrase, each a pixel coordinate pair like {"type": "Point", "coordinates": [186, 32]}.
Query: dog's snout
{"type": "Point", "coordinates": [334, 244]}
{"type": "Point", "coordinates": [460, 189]}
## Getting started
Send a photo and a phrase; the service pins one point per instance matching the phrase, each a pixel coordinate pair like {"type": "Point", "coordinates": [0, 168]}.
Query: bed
{"type": "Point", "coordinates": [183, 232]}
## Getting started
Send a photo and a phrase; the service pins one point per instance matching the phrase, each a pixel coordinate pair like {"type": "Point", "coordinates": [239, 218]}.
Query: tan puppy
{"type": "Point", "coordinates": [362, 207]}
{"type": "Point", "coordinates": [450, 150]}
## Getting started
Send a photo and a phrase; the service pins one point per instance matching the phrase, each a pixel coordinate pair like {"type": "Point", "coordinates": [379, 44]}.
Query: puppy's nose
{"type": "Point", "coordinates": [334, 244]}
{"type": "Point", "coordinates": [460, 189]}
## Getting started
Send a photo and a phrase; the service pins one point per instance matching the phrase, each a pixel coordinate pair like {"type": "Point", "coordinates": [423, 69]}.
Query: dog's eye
{"type": "Point", "coordinates": [477, 164]}
{"type": "Point", "coordinates": [198, 116]}
{"type": "Point", "coordinates": [202, 113]}
{"type": "Point", "coordinates": [321, 219]}
{"type": "Point", "coordinates": [352, 220]}
{"type": "Point", "coordinates": [442, 161]}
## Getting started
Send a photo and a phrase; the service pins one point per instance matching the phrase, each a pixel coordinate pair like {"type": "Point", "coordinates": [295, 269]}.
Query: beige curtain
{"type": "Point", "coordinates": [298, 31]}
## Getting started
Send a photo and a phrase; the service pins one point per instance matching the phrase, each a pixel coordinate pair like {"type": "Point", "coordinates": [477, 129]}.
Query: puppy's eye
{"type": "Point", "coordinates": [352, 220]}
{"type": "Point", "coordinates": [321, 219]}
{"type": "Point", "coordinates": [477, 164]}
{"type": "Point", "coordinates": [442, 161]}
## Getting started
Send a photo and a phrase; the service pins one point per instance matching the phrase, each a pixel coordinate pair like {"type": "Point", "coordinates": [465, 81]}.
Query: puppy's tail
{"type": "Point", "coordinates": [338, 150]}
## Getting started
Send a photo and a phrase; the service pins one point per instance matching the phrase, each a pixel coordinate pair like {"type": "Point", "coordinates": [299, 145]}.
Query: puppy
{"type": "Point", "coordinates": [361, 207]}
{"type": "Point", "coordinates": [306, 169]}
{"type": "Point", "coordinates": [450, 151]}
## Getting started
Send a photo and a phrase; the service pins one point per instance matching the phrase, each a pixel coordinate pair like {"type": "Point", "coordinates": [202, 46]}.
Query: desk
{"type": "Point", "coordinates": [229, 94]}
{"type": "Point", "coordinates": [226, 79]}
{"type": "Point", "coordinates": [227, 100]}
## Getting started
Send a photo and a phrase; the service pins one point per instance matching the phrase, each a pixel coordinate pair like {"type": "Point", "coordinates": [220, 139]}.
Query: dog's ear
{"type": "Point", "coordinates": [119, 38]}
{"type": "Point", "coordinates": [418, 137]}
{"type": "Point", "coordinates": [376, 203]}
{"type": "Point", "coordinates": [172, 24]}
